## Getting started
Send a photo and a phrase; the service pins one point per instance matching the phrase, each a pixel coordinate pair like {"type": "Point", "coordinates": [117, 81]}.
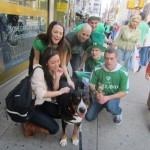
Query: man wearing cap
{"type": "Point", "coordinates": [96, 26]}
{"type": "Point", "coordinates": [96, 57]}
{"type": "Point", "coordinates": [79, 42]}
{"type": "Point", "coordinates": [109, 83]}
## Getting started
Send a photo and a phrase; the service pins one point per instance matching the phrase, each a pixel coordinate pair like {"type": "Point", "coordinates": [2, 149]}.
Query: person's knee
{"type": "Point", "coordinates": [111, 108]}
{"type": "Point", "coordinates": [89, 117]}
{"type": "Point", "coordinates": [54, 130]}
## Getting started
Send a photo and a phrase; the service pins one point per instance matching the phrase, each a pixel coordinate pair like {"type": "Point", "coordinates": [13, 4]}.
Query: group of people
{"type": "Point", "coordinates": [108, 80]}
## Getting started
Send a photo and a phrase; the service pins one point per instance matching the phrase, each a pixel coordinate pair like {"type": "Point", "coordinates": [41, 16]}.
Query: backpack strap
{"type": "Point", "coordinates": [31, 73]}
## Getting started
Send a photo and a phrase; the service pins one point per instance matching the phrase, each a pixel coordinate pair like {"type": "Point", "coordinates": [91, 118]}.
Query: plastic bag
{"type": "Point", "coordinates": [135, 60]}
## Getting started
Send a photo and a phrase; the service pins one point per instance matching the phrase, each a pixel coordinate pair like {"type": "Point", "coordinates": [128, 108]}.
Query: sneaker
{"type": "Point", "coordinates": [118, 119]}
{"type": "Point", "coordinates": [139, 68]}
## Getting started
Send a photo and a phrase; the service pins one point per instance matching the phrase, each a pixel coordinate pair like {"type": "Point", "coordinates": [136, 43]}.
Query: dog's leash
{"type": "Point", "coordinates": [80, 137]}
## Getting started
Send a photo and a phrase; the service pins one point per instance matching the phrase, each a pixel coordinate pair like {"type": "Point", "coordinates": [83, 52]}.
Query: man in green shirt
{"type": "Point", "coordinates": [143, 27]}
{"type": "Point", "coordinates": [96, 57]}
{"type": "Point", "coordinates": [97, 27]}
{"type": "Point", "coordinates": [112, 79]}
{"type": "Point", "coordinates": [95, 24]}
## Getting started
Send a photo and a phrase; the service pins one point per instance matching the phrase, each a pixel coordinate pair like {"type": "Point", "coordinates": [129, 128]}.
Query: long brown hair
{"type": "Point", "coordinates": [63, 45]}
{"type": "Point", "coordinates": [48, 53]}
{"type": "Point", "coordinates": [66, 49]}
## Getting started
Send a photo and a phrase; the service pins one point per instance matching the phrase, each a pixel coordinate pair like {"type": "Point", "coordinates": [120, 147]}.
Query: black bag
{"type": "Point", "coordinates": [19, 102]}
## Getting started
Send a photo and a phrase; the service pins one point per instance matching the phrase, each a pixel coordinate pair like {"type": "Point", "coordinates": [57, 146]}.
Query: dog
{"type": "Point", "coordinates": [73, 107]}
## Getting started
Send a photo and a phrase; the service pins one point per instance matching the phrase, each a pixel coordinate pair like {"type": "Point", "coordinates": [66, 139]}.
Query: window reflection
{"type": "Point", "coordinates": [39, 4]}
{"type": "Point", "coordinates": [17, 34]}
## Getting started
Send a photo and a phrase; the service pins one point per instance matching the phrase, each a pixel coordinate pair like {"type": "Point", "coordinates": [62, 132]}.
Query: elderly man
{"type": "Point", "coordinates": [109, 81]}
{"type": "Point", "coordinates": [79, 42]}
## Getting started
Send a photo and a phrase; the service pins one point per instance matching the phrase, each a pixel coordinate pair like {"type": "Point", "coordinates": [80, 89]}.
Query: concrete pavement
{"type": "Point", "coordinates": [101, 134]}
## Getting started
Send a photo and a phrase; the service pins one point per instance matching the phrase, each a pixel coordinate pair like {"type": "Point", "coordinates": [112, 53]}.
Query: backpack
{"type": "Point", "coordinates": [19, 102]}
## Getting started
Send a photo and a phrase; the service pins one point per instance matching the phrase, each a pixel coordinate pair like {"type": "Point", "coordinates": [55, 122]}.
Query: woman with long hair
{"type": "Point", "coordinates": [54, 38]}
{"type": "Point", "coordinates": [45, 88]}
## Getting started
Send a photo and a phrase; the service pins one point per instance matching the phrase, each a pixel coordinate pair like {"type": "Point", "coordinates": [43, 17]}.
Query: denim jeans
{"type": "Point", "coordinates": [44, 115]}
{"type": "Point", "coordinates": [126, 56]}
{"type": "Point", "coordinates": [144, 55]}
{"type": "Point", "coordinates": [75, 61]}
{"type": "Point", "coordinates": [111, 106]}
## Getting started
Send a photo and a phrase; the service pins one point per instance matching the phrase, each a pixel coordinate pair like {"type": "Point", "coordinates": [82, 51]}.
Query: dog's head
{"type": "Point", "coordinates": [80, 100]}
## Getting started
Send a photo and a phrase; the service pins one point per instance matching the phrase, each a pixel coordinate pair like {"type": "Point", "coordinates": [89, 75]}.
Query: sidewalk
{"type": "Point", "coordinates": [101, 134]}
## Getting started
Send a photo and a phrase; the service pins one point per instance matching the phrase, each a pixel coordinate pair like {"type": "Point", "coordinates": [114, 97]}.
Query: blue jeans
{"type": "Point", "coordinates": [44, 115]}
{"type": "Point", "coordinates": [144, 55]}
{"type": "Point", "coordinates": [75, 61]}
{"type": "Point", "coordinates": [111, 106]}
{"type": "Point", "coordinates": [126, 56]}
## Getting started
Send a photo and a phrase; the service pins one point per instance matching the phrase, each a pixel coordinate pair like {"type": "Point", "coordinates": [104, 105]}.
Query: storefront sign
{"type": "Point", "coordinates": [61, 7]}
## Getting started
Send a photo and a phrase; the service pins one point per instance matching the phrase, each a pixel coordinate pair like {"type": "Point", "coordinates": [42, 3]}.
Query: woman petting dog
{"type": "Point", "coordinates": [45, 87]}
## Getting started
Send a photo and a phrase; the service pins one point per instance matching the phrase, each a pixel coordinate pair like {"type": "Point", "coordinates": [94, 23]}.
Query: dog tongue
{"type": "Point", "coordinates": [81, 115]}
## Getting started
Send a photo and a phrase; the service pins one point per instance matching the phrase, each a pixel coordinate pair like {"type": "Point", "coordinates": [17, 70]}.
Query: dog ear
{"type": "Point", "coordinates": [79, 85]}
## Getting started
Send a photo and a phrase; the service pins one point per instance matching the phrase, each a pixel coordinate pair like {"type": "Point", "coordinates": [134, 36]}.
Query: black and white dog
{"type": "Point", "coordinates": [73, 107]}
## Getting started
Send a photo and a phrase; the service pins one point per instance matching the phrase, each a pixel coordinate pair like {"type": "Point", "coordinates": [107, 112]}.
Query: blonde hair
{"type": "Point", "coordinates": [133, 18]}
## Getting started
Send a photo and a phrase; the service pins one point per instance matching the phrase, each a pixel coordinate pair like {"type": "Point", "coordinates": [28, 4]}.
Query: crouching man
{"type": "Point", "coordinates": [109, 81]}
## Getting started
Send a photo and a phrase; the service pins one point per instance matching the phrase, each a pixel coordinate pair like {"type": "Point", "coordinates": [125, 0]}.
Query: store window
{"type": "Point", "coordinates": [39, 4]}
{"type": "Point", "coordinates": [18, 30]}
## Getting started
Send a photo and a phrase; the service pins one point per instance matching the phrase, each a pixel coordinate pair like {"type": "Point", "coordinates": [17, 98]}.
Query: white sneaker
{"type": "Point", "coordinates": [118, 119]}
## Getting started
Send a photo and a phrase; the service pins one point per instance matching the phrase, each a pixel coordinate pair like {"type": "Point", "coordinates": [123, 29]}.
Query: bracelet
{"type": "Point", "coordinates": [67, 76]}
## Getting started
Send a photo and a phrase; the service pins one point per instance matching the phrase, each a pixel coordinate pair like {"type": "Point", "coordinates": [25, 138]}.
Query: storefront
{"type": "Point", "coordinates": [20, 22]}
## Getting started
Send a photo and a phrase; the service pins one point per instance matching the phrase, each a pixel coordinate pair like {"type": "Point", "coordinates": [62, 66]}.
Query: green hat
{"type": "Point", "coordinates": [98, 42]}
{"type": "Point", "coordinates": [93, 18]}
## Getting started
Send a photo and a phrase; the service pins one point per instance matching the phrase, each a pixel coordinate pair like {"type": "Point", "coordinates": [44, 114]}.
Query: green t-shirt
{"type": "Point", "coordinates": [107, 28]}
{"type": "Point", "coordinates": [100, 28]}
{"type": "Point", "coordinates": [143, 27]}
{"type": "Point", "coordinates": [77, 46]}
{"type": "Point", "coordinates": [111, 81]}
{"type": "Point", "coordinates": [90, 63]}
{"type": "Point", "coordinates": [38, 45]}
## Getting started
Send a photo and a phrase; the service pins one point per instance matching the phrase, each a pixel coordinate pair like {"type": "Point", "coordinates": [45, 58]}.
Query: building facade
{"type": "Point", "coordinates": [20, 22]}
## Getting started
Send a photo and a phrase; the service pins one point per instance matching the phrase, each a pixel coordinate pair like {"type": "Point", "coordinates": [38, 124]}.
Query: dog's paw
{"type": "Point", "coordinates": [63, 142]}
{"type": "Point", "coordinates": [75, 141]}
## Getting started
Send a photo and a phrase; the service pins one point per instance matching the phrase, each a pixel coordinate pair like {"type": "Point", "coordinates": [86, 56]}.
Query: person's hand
{"type": "Point", "coordinates": [79, 69]}
{"type": "Point", "coordinates": [147, 76]}
{"type": "Point", "coordinates": [137, 45]}
{"type": "Point", "coordinates": [70, 82]}
{"type": "Point", "coordinates": [108, 42]}
{"type": "Point", "coordinates": [113, 45]}
{"type": "Point", "coordinates": [64, 90]}
{"type": "Point", "coordinates": [101, 98]}
{"type": "Point", "coordinates": [59, 73]}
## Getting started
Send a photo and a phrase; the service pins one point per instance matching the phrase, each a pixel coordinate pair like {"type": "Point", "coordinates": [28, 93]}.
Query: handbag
{"type": "Point", "coordinates": [135, 60]}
